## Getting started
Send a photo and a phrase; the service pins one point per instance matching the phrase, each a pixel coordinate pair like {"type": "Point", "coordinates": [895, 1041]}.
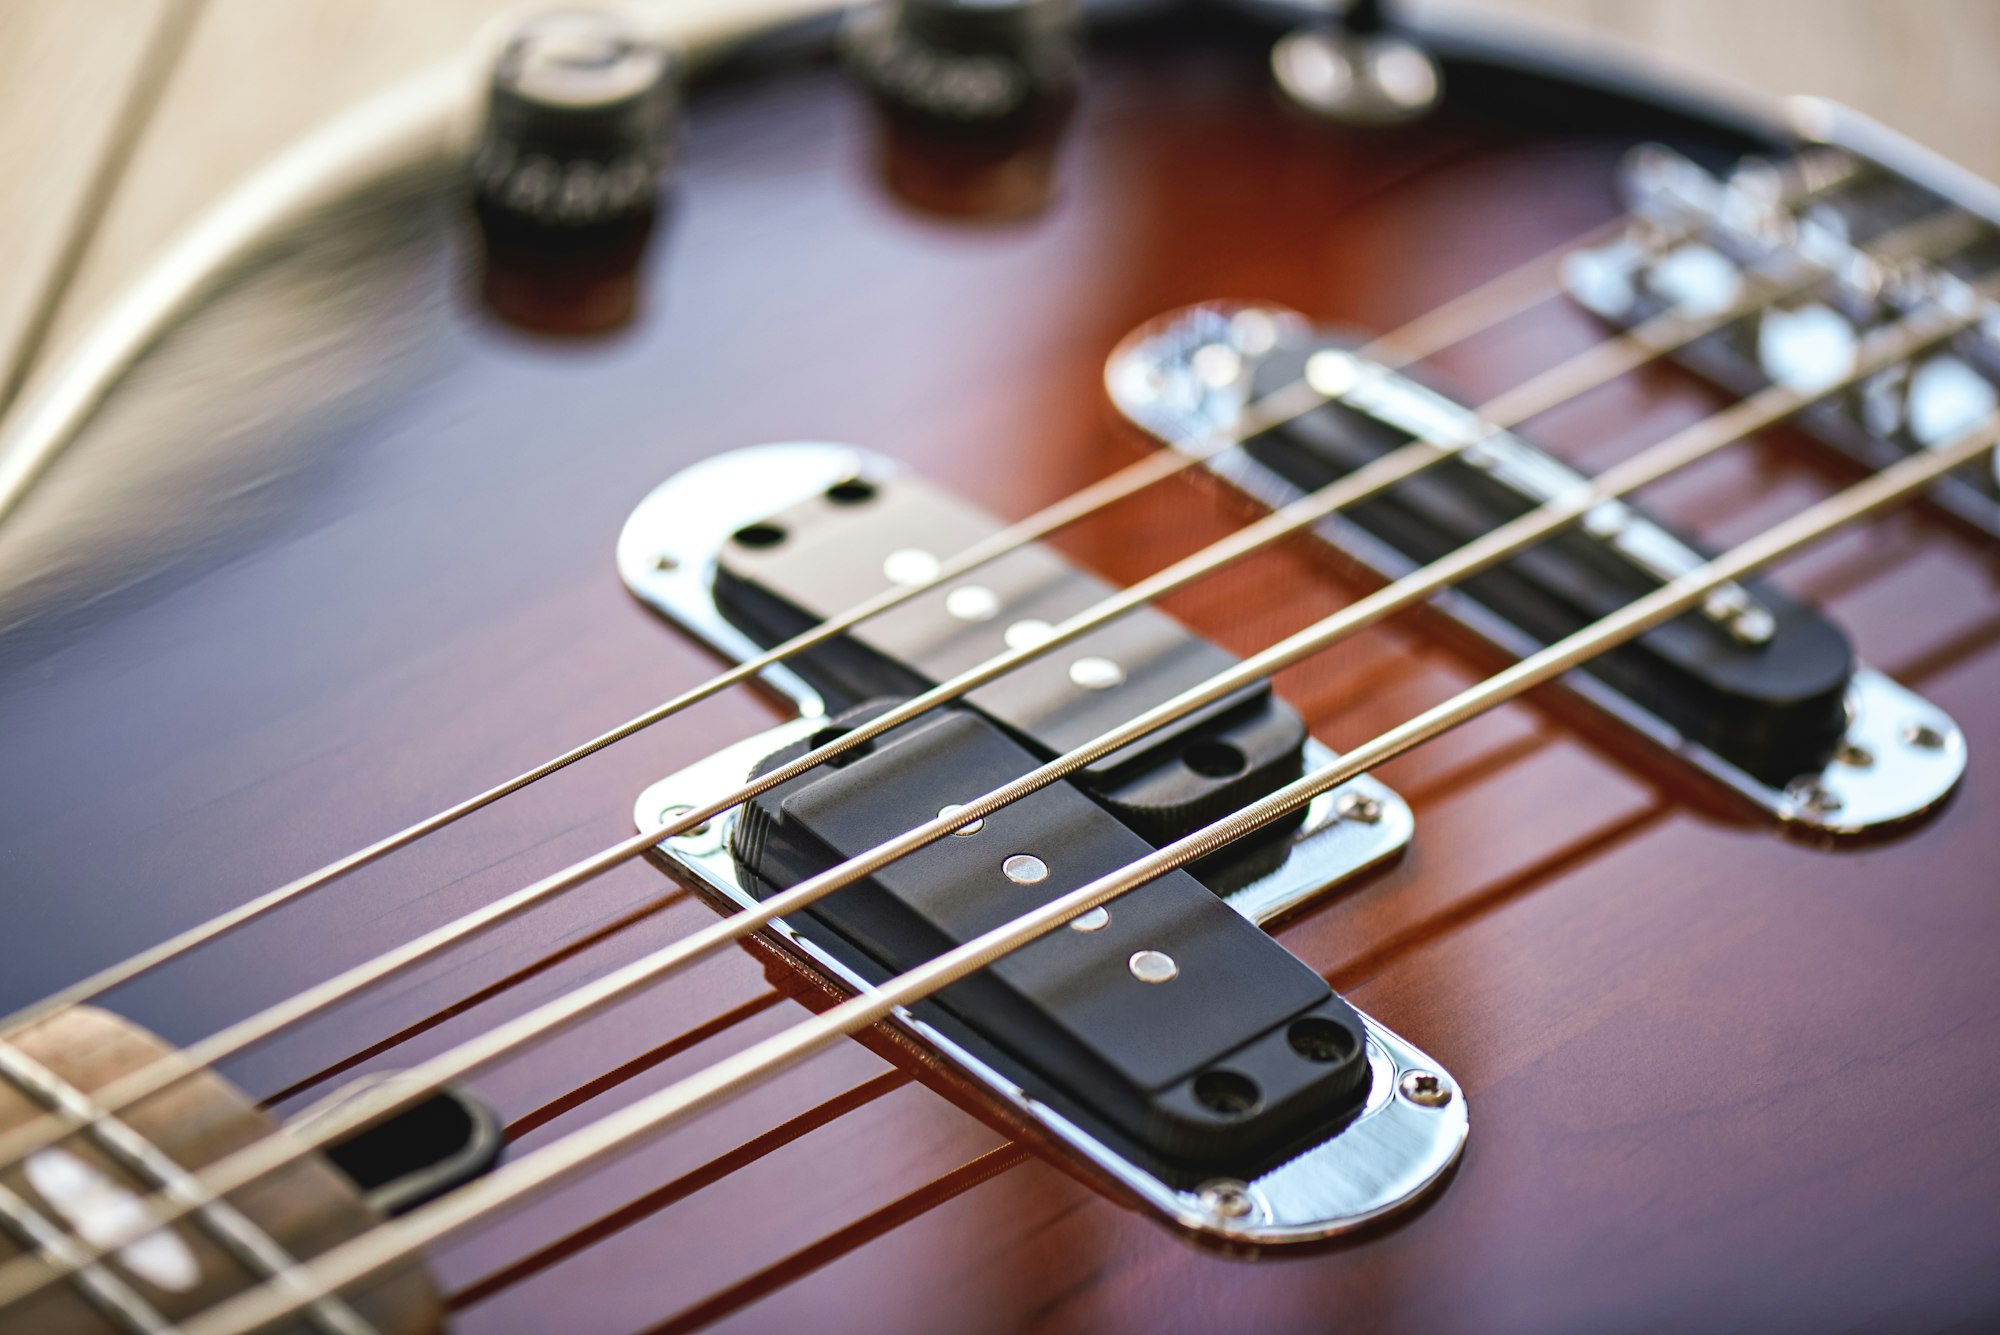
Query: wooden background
{"type": "Point", "coordinates": [183, 97]}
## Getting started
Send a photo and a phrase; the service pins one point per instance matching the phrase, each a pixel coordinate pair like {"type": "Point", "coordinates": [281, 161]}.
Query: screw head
{"type": "Point", "coordinates": [1426, 1089]}
{"type": "Point", "coordinates": [1814, 796]}
{"type": "Point", "coordinates": [1855, 755]}
{"type": "Point", "coordinates": [1358, 807]}
{"type": "Point", "coordinates": [1923, 735]}
{"type": "Point", "coordinates": [1226, 1198]}
{"type": "Point", "coordinates": [674, 813]}
{"type": "Point", "coordinates": [698, 839]}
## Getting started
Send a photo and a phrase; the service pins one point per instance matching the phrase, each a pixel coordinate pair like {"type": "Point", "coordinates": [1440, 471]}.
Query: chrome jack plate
{"type": "Point", "coordinates": [1407, 1135]}
{"type": "Point", "coordinates": [1185, 378]}
{"type": "Point", "coordinates": [1414, 1123]}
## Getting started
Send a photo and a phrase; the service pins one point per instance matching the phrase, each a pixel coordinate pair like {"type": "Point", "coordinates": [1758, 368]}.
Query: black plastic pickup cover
{"type": "Point", "coordinates": [1774, 710]}
{"type": "Point", "coordinates": [1226, 1067]}
{"type": "Point", "coordinates": [823, 555]}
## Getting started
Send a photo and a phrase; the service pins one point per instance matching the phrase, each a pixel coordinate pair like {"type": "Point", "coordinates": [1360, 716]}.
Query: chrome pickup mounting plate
{"type": "Point", "coordinates": [1413, 1122]}
{"type": "Point", "coordinates": [1188, 376]}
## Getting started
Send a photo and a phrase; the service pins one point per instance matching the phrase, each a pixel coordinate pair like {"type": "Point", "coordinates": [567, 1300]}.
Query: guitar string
{"type": "Point", "coordinates": [1807, 177]}
{"type": "Point", "coordinates": [1595, 366]}
{"type": "Point", "coordinates": [514, 1184]}
{"type": "Point", "coordinates": [1491, 303]}
{"type": "Point", "coordinates": [1884, 347]}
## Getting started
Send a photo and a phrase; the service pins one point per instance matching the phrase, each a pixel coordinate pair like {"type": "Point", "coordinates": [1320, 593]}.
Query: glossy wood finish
{"type": "Point", "coordinates": [1716, 1077]}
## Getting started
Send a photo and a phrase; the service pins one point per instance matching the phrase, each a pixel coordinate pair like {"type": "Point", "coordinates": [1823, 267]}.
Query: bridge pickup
{"type": "Point", "coordinates": [1754, 688]}
{"type": "Point", "coordinates": [1165, 1021]}
{"type": "Point", "coordinates": [1172, 1051]}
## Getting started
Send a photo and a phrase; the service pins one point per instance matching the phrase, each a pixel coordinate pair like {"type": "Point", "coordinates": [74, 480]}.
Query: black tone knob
{"type": "Point", "coordinates": [579, 122]}
{"type": "Point", "coordinates": [972, 64]}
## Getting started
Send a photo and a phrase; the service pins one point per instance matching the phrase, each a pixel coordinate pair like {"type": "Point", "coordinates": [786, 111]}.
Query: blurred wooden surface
{"type": "Point", "coordinates": [254, 74]}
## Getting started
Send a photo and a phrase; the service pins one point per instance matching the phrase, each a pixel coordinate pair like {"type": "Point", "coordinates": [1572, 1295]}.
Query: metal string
{"type": "Point", "coordinates": [1597, 365]}
{"type": "Point", "coordinates": [1487, 305]}
{"type": "Point", "coordinates": [1882, 348]}
{"type": "Point", "coordinates": [518, 1182]}
{"type": "Point", "coordinates": [1470, 313]}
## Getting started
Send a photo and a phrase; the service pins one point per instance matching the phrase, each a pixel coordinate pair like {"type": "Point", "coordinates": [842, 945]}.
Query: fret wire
{"type": "Point", "coordinates": [1485, 306]}
{"type": "Point", "coordinates": [1653, 338]}
{"type": "Point", "coordinates": [1885, 346]}
{"type": "Point", "coordinates": [516, 1183]}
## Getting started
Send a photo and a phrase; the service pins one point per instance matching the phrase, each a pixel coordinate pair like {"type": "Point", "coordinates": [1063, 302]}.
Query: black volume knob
{"type": "Point", "coordinates": [579, 123]}
{"type": "Point", "coordinates": [973, 64]}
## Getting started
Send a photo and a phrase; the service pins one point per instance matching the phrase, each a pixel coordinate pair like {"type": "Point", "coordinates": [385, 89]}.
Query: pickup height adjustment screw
{"type": "Point", "coordinates": [1426, 1089]}
{"type": "Point", "coordinates": [1358, 807]}
{"type": "Point", "coordinates": [1814, 796]}
{"type": "Point", "coordinates": [1923, 735]}
{"type": "Point", "coordinates": [1226, 1198]}
{"type": "Point", "coordinates": [703, 838]}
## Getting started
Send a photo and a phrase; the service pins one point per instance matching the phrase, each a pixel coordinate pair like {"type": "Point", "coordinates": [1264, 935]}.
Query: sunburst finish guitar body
{"type": "Point", "coordinates": [1651, 992]}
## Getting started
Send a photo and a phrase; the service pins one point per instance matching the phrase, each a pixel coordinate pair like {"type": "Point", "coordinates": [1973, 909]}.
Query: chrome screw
{"type": "Point", "coordinates": [1226, 1198]}
{"type": "Point", "coordinates": [703, 838]}
{"type": "Point", "coordinates": [1814, 796]}
{"type": "Point", "coordinates": [1923, 735]}
{"type": "Point", "coordinates": [1426, 1089]}
{"type": "Point", "coordinates": [1854, 754]}
{"type": "Point", "coordinates": [1358, 806]}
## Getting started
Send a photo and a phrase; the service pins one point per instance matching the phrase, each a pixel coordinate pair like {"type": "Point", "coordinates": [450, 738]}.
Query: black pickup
{"type": "Point", "coordinates": [1168, 1018]}
{"type": "Point", "coordinates": [1774, 706]}
{"type": "Point", "coordinates": [1170, 1026]}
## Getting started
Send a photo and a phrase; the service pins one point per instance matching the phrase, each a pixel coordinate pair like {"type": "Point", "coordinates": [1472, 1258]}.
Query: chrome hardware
{"type": "Point", "coordinates": [1900, 756]}
{"type": "Point", "coordinates": [1381, 1161]}
{"type": "Point", "coordinates": [1153, 377]}
{"type": "Point", "coordinates": [1734, 223]}
{"type": "Point", "coordinates": [1426, 1089]}
{"type": "Point", "coordinates": [1374, 78]}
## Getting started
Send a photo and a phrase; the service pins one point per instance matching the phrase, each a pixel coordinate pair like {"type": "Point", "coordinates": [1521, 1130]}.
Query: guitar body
{"type": "Point", "coordinates": [337, 552]}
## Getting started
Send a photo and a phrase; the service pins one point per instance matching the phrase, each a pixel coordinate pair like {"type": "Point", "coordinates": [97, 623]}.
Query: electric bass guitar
{"type": "Point", "coordinates": [993, 665]}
